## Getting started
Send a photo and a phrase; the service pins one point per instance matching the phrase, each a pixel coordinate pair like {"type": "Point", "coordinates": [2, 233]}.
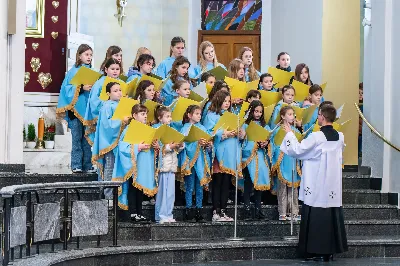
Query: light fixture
{"type": "Point", "coordinates": [121, 4]}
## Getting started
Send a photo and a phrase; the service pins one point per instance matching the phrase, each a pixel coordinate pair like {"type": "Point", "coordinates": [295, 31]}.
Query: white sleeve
{"type": "Point", "coordinates": [302, 151]}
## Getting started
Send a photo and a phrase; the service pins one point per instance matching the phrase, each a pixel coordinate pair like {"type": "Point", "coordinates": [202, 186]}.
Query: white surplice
{"type": "Point", "coordinates": [321, 182]}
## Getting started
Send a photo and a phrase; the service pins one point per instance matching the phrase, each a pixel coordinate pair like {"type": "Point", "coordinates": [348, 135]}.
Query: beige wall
{"type": "Point", "coordinates": [150, 23]}
{"type": "Point", "coordinates": [341, 64]}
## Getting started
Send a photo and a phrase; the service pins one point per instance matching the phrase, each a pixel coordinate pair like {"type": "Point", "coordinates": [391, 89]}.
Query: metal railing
{"type": "Point", "coordinates": [65, 214]}
{"type": "Point", "coordinates": [379, 135]}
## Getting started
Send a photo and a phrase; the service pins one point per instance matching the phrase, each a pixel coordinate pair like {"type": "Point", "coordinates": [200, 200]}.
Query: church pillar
{"type": "Point", "coordinates": [12, 65]}
{"type": "Point", "coordinates": [341, 64]}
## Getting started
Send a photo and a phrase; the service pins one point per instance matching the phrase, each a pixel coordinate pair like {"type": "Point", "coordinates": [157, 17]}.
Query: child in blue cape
{"type": "Point", "coordinates": [267, 83]}
{"type": "Point", "coordinates": [182, 89]}
{"type": "Point", "coordinates": [255, 163]}
{"type": "Point", "coordinates": [253, 95]}
{"type": "Point", "coordinates": [288, 93]}
{"type": "Point", "coordinates": [208, 60]}
{"type": "Point", "coordinates": [112, 69]}
{"type": "Point", "coordinates": [227, 161]}
{"type": "Point", "coordinates": [314, 98]}
{"type": "Point", "coordinates": [219, 85]}
{"type": "Point", "coordinates": [168, 166]}
{"type": "Point", "coordinates": [145, 65]}
{"type": "Point", "coordinates": [179, 71]}
{"type": "Point", "coordinates": [177, 49]}
{"type": "Point", "coordinates": [197, 167]}
{"type": "Point", "coordinates": [135, 165]}
{"type": "Point", "coordinates": [107, 136]}
{"type": "Point", "coordinates": [73, 101]}
{"type": "Point", "coordinates": [133, 67]}
{"type": "Point", "coordinates": [302, 74]}
{"type": "Point", "coordinates": [236, 71]}
{"type": "Point", "coordinates": [250, 72]}
{"type": "Point", "coordinates": [282, 167]}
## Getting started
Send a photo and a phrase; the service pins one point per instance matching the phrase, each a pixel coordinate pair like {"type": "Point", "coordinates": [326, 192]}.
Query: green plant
{"type": "Point", "coordinates": [24, 133]}
{"type": "Point", "coordinates": [49, 132]}
{"type": "Point", "coordinates": [31, 132]}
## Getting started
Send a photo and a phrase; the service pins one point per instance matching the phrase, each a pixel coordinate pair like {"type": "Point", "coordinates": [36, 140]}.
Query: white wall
{"type": "Point", "coordinates": [297, 29]}
{"type": "Point", "coordinates": [150, 23]}
{"type": "Point", "coordinates": [12, 65]}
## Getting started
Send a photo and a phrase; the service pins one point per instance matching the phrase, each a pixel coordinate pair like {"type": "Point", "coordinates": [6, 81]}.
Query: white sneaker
{"type": "Point", "coordinates": [76, 170]}
{"type": "Point", "coordinates": [216, 217]}
{"type": "Point", "coordinates": [171, 220]}
{"type": "Point", "coordinates": [226, 217]}
{"type": "Point", "coordinates": [110, 203]}
{"type": "Point", "coordinates": [91, 171]}
{"type": "Point", "coordinates": [152, 201]}
{"type": "Point", "coordinates": [163, 221]}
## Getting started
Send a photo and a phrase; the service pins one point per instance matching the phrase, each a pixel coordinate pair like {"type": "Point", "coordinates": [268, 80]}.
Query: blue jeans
{"type": "Point", "coordinates": [192, 183]}
{"type": "Point", "coordinates": [81, 154]}
{"type": "Point", "coordinates": [165, 197]}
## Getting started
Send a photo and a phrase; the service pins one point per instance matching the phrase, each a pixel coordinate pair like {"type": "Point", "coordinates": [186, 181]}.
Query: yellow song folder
{"type": "Point", "coordinates": [180, 108]}
{"type": "Point", "coordinates": [124, 108]}
{"type": "Point", "coordinates": [158, 84]}
{"type": "Point", "coordinates": [239, 89]}
{"type": "Point", "coordinates": [151, 106]}
{"type": "Point", "coordinates": [195, 134]}
{"type": "Point", "coordinates": [302, 90]}
{"type": "Point", "coordinates": [201, 90]}
{"type": "Point", "coordinates": [123, 77]}
{"type": "Point", "coordinates": [280, 76]}
{"type": "Point", "coordinates": [229, 121]}
{"type": "Point", "coordinates": [255, 132]}
{"type": "Point", "coordinates": [219, 72]}
{"type": "Point", "coordinates": [103, 93]}
{"type": "Point", "coordinates": [280, 135]}
{"type": "Point", "coordinates": [243, 109]}
{"type": "Point", "coordinates": [171, 135]}
{"type": "Point", "coordinates": [131, 87]}
{"type": "Point", "coordinates": [195, 96]}
{"type": "Point", "coordinates": [268, 112]}
{"type": "Point", "coordinates": [270, 97]}
{"type": "Point", "coordinates": [85, 76]}
{"type": "Point", "coordinates": [138, 133]}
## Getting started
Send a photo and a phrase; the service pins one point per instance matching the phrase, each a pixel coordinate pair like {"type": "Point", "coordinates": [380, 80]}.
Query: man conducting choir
{"type": "Point", "coordinates": [322, 231]}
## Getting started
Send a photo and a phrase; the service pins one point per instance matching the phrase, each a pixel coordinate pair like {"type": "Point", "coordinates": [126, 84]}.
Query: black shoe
{"type": "Point", "coordinates": [247, 214]}
{"type": "Point", "coordinates": [260, 215]}
{"type": "Point", "coordinates": [189, 216]}
{"type": "Point", "coordinates": [199, 218]}
{"type": "Point", "coordinates": [324, 258]}
{"type": "Point", "coordinates": [135, 218]}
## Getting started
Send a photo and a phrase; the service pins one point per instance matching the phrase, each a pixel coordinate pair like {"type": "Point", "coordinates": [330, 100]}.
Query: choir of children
{"type": "Point", "coordinates": [203, 164]}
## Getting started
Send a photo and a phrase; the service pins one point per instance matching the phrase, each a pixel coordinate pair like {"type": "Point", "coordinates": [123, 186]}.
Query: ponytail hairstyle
{"type": "Point", "coordinates": [263, 76]}
{"type": "Point", "coordinates": [203, 61]}
{"type": "Point", "coordinates": [81, 49]}
{"type": "Point", "coordinates": [284, 110]}
{"type": "Point", "coordinates": [280, 54]}
{"type": "Point", "coordinates": [180, 60]}
{"type": "Point", "coordinates": [297, 73]}
{"type": "Point", "coordinates": [189, 110]}
{"type": "Point", "coordinates": [109, 62]}
{"type": "Point", "coordinates": [218, 100]}
{"type": "Point", "coordinates": [140, 94]}
{"type": "Point", "coordinates": [174, 42]}
{"type": "Point", "coordinates": [140, 51]}
{"type": "Point", "coordinates": [138, 108]}
{"type": "Point", "coordinates": [250, 111]}
{"type": "Point", "coordinates": [112, 50]}
{"type": "Point", "coordinates": [252, 70]}
{"type": "Point", "coordinates": [159, 112]}
{"type": "Point", "coordinates": [234, 67]}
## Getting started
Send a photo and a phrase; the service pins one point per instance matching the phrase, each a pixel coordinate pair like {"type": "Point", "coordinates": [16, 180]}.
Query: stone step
{"type": "Point", "coordinates": [351, 212]}
{"type": "Point", "coordinates": [205, 251]}
{"type": "Point", "coordinates": [223, 230]}
{"type": "Point", "coordinates": [364, 196]}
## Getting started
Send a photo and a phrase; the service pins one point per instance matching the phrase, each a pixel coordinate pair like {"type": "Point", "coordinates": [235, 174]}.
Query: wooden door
{"type": "Point", "coordinates": [227, 44]}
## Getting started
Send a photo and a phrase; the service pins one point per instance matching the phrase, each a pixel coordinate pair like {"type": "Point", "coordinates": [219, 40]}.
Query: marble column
{"type": "Point", "coordinates": [12, 65]}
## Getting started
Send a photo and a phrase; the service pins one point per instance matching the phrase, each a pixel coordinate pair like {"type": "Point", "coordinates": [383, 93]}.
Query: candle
{"type": "Point", "coordinates": [41, 128]}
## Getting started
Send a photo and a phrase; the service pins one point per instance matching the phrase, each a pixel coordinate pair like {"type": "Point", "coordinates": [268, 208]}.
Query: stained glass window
{"type": "Point", "coordinates": [231, 15]}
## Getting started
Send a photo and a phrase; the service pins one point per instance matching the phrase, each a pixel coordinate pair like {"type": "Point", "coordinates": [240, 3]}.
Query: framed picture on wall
{"type": "Point", "coordinates": [34, 18]}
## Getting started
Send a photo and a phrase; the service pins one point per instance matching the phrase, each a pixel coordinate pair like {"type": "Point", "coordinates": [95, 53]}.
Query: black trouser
{"type": "Point", "coordinates": [248, 186]}
{"type": "Point", "coordinates": [135, 199]}
{"type": "Point", "coordinates": [220, 190]}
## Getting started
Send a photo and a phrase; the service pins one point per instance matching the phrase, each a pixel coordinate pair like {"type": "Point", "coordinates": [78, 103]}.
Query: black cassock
{"type": "Point", "coordinates": [322, 230]}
